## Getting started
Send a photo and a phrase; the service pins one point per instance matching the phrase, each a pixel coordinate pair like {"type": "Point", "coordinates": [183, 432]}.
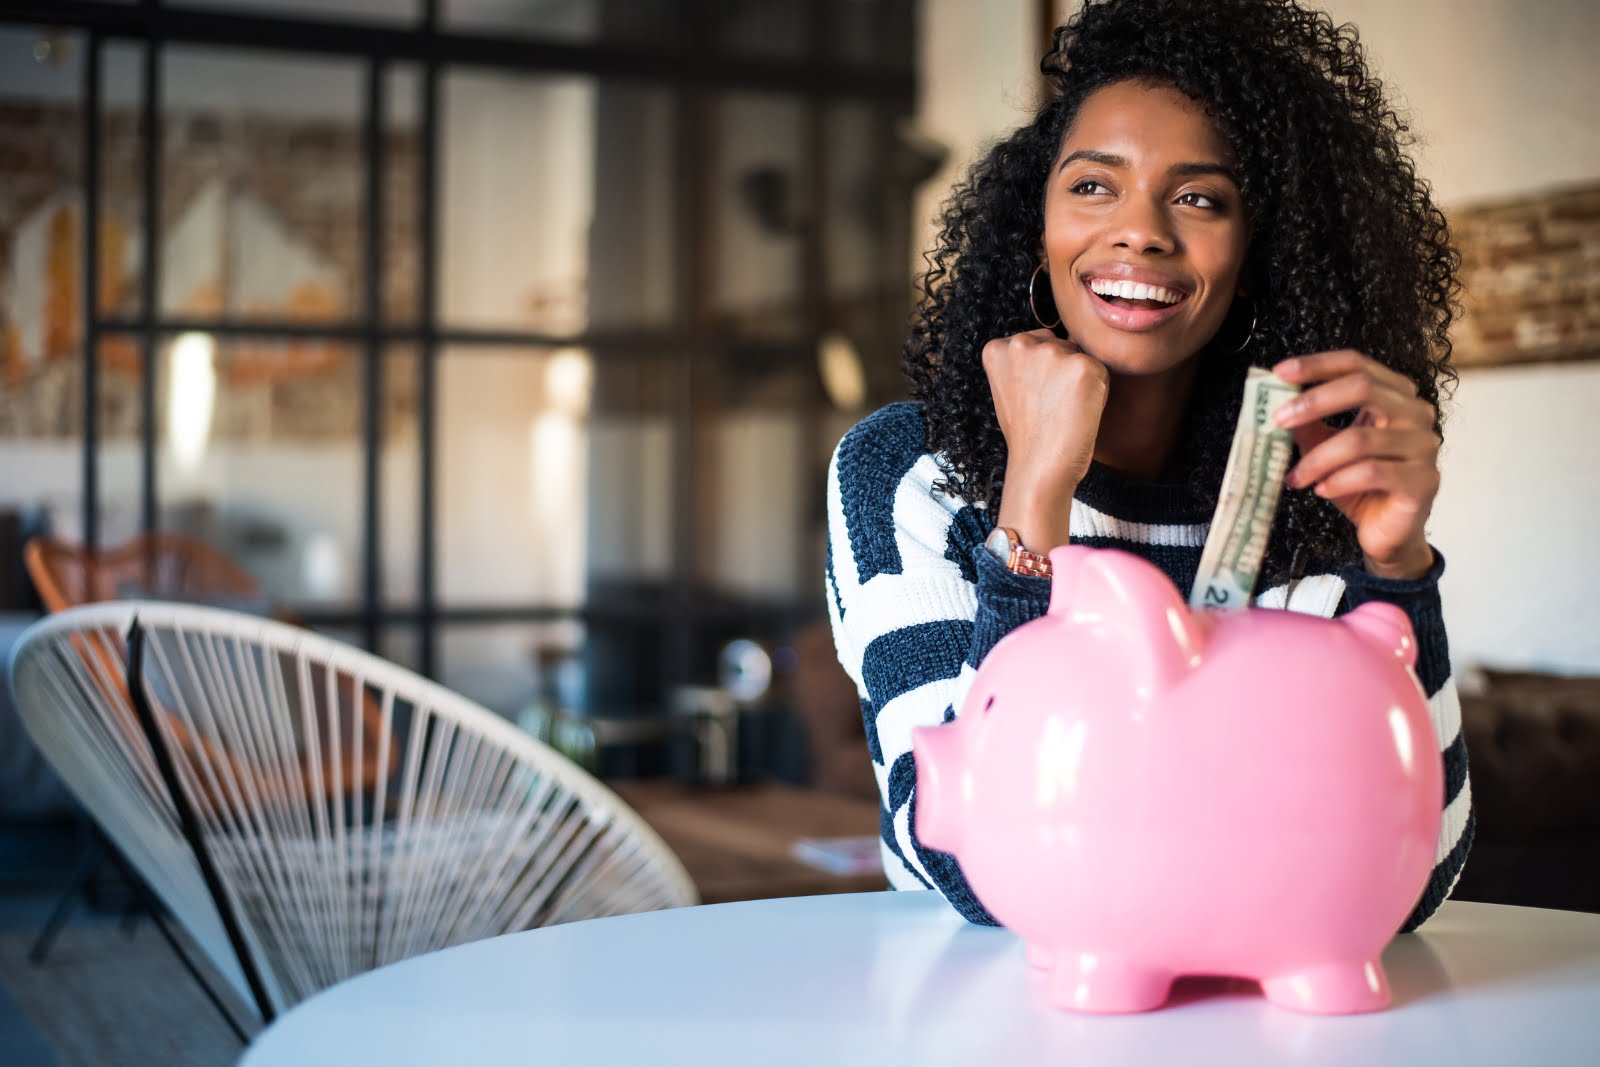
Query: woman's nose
{"type": "Point", "coordinates": [1143, 225]}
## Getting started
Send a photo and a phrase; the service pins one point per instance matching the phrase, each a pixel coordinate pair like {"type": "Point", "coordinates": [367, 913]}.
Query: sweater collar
{"type": "Point", "coordinates": [1112, 493]}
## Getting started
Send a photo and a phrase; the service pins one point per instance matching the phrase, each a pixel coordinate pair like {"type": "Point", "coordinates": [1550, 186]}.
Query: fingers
{"type": "Point", "coordinates": [1382, 470]}
{"type": "Point", "coordinates": [1401, 481]}
{"type": "Point", "coordinates": [1363, 385]}
{"type": "Point", "coordinates": [1311, 435]}
{"type": "Point", "coordinates": [1030, 344]}
{"type": "Point", "coordinates": [1025, 364]}
{"type": "Point", "coordinates": [1356, 444]}
{"type": "Point", "coordinates": [1351, 392]}
{"type": "Point", "coordinates": [1044, 388]}
{"type": "Point", "coordinates": [1322, 366]}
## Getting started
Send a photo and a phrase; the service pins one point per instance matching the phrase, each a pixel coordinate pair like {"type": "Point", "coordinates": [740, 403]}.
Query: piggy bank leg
{"type": "Point", "coordinates": [1040, 958]}
{"type": "Point", "coordinates": [1094, 982]}
{"type": "Point", "coordinates": [1331, 988]}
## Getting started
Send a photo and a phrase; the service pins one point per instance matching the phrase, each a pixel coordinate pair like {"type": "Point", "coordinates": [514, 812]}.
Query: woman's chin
{"type": "Point", "coordinates": [1134, 355]}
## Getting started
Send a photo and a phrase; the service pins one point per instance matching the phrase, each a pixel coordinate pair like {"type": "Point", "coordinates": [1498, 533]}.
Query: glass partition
{"type": "Point", "coordinates": [635, 272]}
{"type": "Point", "coordinates": [260, 456]}
{"type": "Point", "coordinates": [41, 275]}
{"type": "Point", "coordinates": [261, 186]}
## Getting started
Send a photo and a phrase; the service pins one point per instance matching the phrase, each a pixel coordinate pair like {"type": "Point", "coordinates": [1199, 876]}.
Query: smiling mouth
{"type": "Point", "coordinates": [1135, 296]}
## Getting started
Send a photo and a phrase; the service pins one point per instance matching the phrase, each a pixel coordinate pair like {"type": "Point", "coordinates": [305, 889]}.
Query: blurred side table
{"type": "Point", "coordinates": [737, 842]}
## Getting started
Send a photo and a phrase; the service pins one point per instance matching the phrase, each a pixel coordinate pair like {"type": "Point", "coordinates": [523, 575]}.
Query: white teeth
{"type": "Point", "coordinates": [1134, 290]}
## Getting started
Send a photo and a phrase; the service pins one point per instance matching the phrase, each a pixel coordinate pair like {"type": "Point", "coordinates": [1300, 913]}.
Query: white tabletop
{"type": "Point", "coordinates": [891, 978]}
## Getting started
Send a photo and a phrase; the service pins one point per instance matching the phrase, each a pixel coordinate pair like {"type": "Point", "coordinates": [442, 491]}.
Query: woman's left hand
{"type": "Point", "coordinates": [1382, 471]}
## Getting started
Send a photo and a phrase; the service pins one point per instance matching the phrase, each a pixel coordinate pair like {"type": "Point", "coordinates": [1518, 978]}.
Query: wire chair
{"type": "Point", "coordinates": [166, 566]}
{"type": "Point", "coordinates": [288, 874]}
{"type": "Point", "coordinates": [162, 566]}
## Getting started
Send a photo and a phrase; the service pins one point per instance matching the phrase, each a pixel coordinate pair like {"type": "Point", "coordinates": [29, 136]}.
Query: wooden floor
{"type": "Point", "coordinates": [103, 997]}
{"type": "Point", "coordinates": [737, 843]}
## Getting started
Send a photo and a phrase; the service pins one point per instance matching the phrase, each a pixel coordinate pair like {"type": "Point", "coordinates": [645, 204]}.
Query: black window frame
{"type": "Point", "coordinates": [693, 69]}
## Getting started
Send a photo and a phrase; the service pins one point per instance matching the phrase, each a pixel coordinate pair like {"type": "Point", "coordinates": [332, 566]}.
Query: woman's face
{"type": "Point", "coordinates": [1144, 228]}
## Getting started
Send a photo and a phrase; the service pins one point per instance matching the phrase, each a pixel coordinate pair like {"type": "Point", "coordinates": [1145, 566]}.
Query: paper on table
{"type": "Point", "coordinates": [840, 855]}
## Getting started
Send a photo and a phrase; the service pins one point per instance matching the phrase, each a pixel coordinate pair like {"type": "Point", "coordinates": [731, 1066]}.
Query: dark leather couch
{"type": "Point", "coordinates": [1533, 744]}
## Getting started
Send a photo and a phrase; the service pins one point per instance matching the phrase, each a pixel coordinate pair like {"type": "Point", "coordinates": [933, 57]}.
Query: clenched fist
{"type": "Point", "coordinates": [1048, 396]}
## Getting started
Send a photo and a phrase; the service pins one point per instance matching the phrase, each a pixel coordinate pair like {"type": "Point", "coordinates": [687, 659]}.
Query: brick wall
{"type": "Point", "coordinates": [1530, 271]}
{"type": "Point", "coordinates": [307, 174]}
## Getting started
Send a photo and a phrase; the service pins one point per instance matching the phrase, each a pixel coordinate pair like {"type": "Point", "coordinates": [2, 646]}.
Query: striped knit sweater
{"type": "Point", "coordinates": [916, 603]}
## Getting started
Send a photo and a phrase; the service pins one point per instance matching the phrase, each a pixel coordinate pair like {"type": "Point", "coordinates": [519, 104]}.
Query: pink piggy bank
{"type": "Point", "coordinates": [1143, 791]}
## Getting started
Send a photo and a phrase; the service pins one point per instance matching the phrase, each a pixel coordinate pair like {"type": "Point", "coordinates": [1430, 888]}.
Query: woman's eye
{"type": "Point", "coordinates": [1198, 200]}
{"type": "Point", "coordinates": [1089, 187]}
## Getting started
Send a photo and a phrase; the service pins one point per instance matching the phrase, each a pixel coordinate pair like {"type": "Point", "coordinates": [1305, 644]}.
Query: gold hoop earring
{"type": "Point", "coordinates": [1250, 335]}
{"type": "Point", "coordinates": [1034, 307]}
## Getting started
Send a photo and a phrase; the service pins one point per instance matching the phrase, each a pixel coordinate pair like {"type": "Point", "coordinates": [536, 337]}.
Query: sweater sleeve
{"type": "Point", "coordinates": [1419, 599]}
{"type": "Point", "coordinates": [916, 603]}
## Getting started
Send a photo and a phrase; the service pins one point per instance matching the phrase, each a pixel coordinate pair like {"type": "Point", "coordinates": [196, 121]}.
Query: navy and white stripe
{"type": "Point", "coordinates": [917, 602]}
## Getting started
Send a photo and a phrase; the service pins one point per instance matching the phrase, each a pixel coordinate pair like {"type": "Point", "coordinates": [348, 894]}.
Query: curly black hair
{"type": "Point", "coordinates": [1347, 249]}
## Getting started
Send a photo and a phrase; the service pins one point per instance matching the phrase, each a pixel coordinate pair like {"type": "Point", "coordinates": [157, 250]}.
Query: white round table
{"type": "Point", "coordinates": [892, 978]}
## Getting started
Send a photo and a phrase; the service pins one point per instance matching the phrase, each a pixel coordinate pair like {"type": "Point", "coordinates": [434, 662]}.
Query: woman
{"type": "Point", "coordinates": [1214, 184]}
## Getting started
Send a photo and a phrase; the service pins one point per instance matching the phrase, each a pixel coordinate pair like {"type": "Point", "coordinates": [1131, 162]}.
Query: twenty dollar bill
{"type": "Point", "coordinates": [1249, 498]}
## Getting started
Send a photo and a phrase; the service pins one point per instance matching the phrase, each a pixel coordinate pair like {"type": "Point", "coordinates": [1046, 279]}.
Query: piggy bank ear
{"type": "Point", "coordinates": [1134, 607]}
{"type": "Point", "coordinates": [1386, 628]}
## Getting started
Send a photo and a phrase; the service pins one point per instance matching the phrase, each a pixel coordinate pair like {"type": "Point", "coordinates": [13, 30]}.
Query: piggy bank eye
{"type": "Point", "coordinates": [989, 703]}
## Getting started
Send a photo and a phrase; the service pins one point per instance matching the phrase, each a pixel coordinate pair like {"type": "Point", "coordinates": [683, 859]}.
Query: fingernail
{"type": "Point", "coordinates": [1285, 414]}
{"type": "Point", "coordinates": [1288, 366]}
{"type": "Point", "coordinates": [1293, 478]}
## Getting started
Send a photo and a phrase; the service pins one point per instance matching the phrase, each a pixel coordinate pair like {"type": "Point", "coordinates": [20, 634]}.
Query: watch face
{"type": "Point", "coordinates": [998, 544]}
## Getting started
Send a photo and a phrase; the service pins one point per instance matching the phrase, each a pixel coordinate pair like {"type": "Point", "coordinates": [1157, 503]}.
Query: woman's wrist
{"type": "Point", "coordinates": [1412, 563]}
{"type": "Point", "coordinates": [1041, 520]}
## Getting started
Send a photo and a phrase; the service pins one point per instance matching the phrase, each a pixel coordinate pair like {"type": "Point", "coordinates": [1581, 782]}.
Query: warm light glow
{"type": "Point", "coordinates": [839, 365]}
{"type": "Point", "coordinates": [322, 567]}
{"type": "Point", "coordinates": [567, 378]}
{"type": "Point", "coordinates": [553, 444]}
{"type": "Point", "coordinates": [191, 398]}
{"type": "Point", "coordinates": [557, 469]}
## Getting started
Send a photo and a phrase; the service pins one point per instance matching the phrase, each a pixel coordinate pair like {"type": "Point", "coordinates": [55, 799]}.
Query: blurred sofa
{"type": "Point", "coordinates": [1533, 745]}
{"type": "Point", "coordinates": [823, 700]}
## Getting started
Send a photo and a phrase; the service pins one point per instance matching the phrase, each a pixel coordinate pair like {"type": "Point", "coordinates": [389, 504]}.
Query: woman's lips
{"type": "Point", "coordinates": [1131, 319]}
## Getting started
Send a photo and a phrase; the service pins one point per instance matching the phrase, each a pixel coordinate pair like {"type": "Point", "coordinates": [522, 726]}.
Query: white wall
{"type": "Point", "coordinates": [1518, 518]}
{"type": "Point", "coordinates": [1502, 92]}
{"type": "Point", "coordinates": [978, 67]}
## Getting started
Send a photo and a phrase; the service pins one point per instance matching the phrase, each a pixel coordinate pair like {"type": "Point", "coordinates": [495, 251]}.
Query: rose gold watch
{"type": "Point", "coordinates": [1006, 546]}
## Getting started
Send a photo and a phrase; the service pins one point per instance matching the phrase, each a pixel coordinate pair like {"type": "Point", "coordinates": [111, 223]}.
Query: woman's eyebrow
{"type": "Point", "coordinates": [1105, 159]}
{"type": "Point", "coordinates": [1187, 170]}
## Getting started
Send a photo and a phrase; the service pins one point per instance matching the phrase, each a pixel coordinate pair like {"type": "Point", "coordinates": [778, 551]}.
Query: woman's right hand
{"type": "Point", "coordinates": [1048, 397]}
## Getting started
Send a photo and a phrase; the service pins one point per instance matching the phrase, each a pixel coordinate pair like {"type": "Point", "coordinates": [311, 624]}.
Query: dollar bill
{"type": "Point", "coordinates": [1251, 485]}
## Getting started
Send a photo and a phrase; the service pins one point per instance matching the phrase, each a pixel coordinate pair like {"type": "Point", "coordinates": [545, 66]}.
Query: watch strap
{"type": "Point", "coordinates": [1022, 560]}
